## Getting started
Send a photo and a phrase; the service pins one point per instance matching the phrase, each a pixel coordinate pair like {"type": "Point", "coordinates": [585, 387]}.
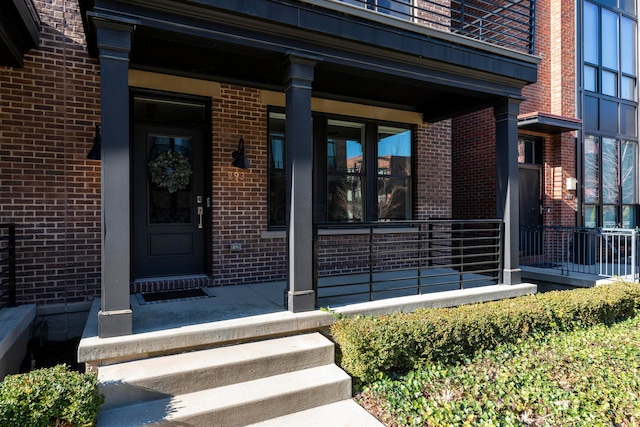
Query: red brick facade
{"type": "Point", "coordinates": [48, 111]}
{"type": "Point", "coordinates": [473, 135]}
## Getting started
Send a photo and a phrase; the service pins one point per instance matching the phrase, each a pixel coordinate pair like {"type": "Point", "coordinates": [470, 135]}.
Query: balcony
{"type": "Point", "coordinates": [504, 23]}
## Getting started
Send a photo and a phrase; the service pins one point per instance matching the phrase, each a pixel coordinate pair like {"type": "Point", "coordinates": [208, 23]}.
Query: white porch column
{"type": "Point", "coordinates": [506, 115]}
{"type": "Point", "coordinates": [114, 44]}
{"type": "Point", "coordinates": [299, 182]}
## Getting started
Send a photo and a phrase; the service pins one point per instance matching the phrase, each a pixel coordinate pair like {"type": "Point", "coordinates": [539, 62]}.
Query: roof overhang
{"type": "Point", "coordinates": [19, 31]}
{"type": "Point", "coordinates": [359, 60]}
{"type": "Point", "coordinates": [548, 123]}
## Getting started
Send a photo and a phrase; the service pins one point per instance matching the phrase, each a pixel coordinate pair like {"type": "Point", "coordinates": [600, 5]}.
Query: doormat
{"type": "Point", "coordinates": [174, 295]}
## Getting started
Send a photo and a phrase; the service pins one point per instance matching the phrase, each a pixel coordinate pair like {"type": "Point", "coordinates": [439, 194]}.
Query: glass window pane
{"type": "Point", "coordinates": [276, 171]}
{"type": "Point", "coordinates": [628, 6]}
{"type": "Point", "coordinates": [591, 113]}
{"type": "Point", "coordinates": [170, 170]}
{"type": "Point", "coordinates": [609, 171]}
{"type": "Point", "coordinates": [590, 216]}
{"type": "Point", "coordinates": [609, 83]}
{"type": "Point", "coordinates": [590, 33]}
{"type": "Point", "coordinates": [628, 216]}
{"type": "Point", "coordinates": [628, 88]}
{"type": "Point", "coordinates": [628, 46]}
{"type": "Point", "coordinates": [345, 146]}
{"type": "Point", "coordinates": [628, 120]}
{"type": "Point", "coordinates": [608, 116]}
{"type": "Point", "coordinates": [628, 154]}
{"type": "Point", "coordinates": [591, 169]}
{"type": "Point", "coordinates": [590, 78]}
{"type": "Point", "coordinates": [394, 199]}
{"type": "Point", "coordinates": [610, 39]}
{"type": "Point", "coordinates": [344, 198]}
{"type": "Point", "coordinates": [609, 216]}
{"type": "Point", "coordinates": [394, 151]}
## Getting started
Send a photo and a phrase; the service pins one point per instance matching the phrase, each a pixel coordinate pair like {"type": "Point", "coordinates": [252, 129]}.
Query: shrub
{"type": "Point", "coordinates": [370, 346]}
{"type": "Point", "coordinates": [49, 397]}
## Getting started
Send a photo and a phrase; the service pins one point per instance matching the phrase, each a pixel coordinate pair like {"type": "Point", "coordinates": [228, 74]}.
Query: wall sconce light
{"type": "Point", "coordinates": [96, 149]}
{"type": "Point", "coordinates": [239, 159]}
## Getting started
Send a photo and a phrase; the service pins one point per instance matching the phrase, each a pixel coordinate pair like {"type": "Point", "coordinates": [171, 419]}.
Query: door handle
{"type": "Point", "coordinates": [200, 213]}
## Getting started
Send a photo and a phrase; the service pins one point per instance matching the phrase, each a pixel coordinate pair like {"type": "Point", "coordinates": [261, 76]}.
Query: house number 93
{"type": "Point", "coordinates": [235, 176]}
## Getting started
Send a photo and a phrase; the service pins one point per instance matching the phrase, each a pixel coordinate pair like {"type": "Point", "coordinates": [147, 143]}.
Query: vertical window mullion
{"type": "Point", "coordinates": [371, 164]}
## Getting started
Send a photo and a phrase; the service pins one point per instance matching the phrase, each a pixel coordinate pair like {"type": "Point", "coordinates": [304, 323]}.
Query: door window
{"type": "Point", "coordinates": [170, 171]}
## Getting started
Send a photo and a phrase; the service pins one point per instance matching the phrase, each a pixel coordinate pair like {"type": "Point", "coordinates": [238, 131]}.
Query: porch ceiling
{"type": "Point", "coordinates": [247, 42]}
{"type": "Point", "coordinates": [19, 30]}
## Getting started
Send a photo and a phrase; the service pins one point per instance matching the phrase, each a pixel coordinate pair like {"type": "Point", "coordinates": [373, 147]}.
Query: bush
{"type": "Point", "coordinates": [49, 397]}
{"type": "Point", "coordinates": [399, 342]}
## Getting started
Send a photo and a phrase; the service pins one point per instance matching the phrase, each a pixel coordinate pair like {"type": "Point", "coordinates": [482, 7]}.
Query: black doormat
{"type": "Point", "coordinates": [174, 295]}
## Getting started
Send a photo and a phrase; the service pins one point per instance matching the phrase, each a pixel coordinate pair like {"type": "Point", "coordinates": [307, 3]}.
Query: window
{"type": "Point", "coordinates": [609, 49]}
{"type": "Point", "coordinates": [612, 188]}
{"type": "Point", "coordinates": [397, 8]}
{"type": "Point", "coordinates": [363, 170]}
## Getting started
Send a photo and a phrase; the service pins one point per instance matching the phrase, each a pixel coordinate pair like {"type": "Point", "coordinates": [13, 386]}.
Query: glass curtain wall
{"type": "Point", "coordinates": [609, 113]}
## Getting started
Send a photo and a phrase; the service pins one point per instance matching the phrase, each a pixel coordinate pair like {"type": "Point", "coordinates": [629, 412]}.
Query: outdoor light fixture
{"type": "Point", "coordinates": [239, 159]}
{"type": "Point", "coordinates": [95, 153]}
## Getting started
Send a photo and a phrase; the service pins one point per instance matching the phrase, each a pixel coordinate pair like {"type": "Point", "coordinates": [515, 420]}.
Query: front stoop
{"type": "Point", "coordinates": [230, 386]}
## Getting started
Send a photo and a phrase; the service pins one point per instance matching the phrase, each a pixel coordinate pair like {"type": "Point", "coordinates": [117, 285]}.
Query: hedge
{"type": "Point", "coordinates": [369, 346]}
{"type": "Point", "coordinates": [47, 397]}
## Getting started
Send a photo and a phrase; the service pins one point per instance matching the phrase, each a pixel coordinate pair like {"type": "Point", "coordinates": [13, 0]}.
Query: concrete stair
{"type": "Point", "coordinates": [237, 385]}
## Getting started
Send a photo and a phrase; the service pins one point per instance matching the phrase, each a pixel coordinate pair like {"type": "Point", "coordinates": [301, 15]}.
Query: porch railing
{"type": "Point", "coordinates": [606, 252]}
{"type": "Point", "coordinates": [507, 23]}
{"type": "Point", "coordinates": [7, 265]}
{"type": "Point", "coordinates": [367, 261]}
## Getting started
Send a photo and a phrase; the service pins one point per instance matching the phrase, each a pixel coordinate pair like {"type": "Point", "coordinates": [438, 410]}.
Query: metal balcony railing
{"type": "Point", "coordinates": [7, 265]}
{"type": "Point", "coordinates": [506, 23]}
{"type": "Point", "coordinates": [606, 252]}
{"type": "Point", "coordinates": [378, 260]}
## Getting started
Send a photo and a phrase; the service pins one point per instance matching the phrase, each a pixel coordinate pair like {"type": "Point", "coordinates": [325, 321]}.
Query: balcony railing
{"type": "Point", "coordinates": [606, 252]}
{"type": "Point", "coordinates": [371, 261]}
{"type": "Point", "coordinates": [7, 265]}
{"type": "Point", "coordinates": [506, 23]}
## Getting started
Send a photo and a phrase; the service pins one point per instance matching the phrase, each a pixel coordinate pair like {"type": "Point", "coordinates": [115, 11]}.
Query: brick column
{"type": "Point", "coordinates": [299, 182]}
{"type": "Point", "coordinates": [507, 209]}
{"type": "Point", "coordinates": [114, 43]}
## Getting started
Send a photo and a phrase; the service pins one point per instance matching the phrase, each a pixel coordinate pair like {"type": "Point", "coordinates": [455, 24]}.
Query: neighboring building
{"type": "Point", "coordinates": [400, 110]}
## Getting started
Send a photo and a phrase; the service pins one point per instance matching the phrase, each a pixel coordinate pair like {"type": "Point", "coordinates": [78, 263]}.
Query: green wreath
{"type": "Point", "coordinates": [170, 170]}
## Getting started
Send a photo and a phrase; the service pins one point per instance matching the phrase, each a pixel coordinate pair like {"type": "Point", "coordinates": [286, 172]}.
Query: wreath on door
{"type": "Point", "coordinates": [170, 170]}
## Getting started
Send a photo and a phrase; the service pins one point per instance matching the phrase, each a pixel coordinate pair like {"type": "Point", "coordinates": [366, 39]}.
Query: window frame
{"type": "Point", "coordinates": [321, 173]}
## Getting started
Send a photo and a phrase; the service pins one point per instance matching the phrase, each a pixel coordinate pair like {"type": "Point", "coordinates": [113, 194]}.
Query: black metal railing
{"type": "Point", "coordinates": [371, 261]}
{"type": "Point", "coordinates": [7, 265]}
{"type": "Point", "coordinates": [607, 252]}
{"type": "Point", "coordinates": [507, 23]}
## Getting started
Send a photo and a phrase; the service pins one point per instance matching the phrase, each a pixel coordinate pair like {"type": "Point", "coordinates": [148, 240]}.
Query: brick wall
{"type": "Point", "coordinates": [48, 189]}
{"type": "Point", "coordinates": [48, 111]}
{"type": "Point", "coordinates": [473, 153]}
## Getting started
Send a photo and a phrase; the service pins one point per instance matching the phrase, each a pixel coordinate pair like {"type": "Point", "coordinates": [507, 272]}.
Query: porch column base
{"type": "Point", "coordinates": [511, 277]}
{"type": "Point", "coordinates": [301, 301]}
{"type": "Point", "coordinates": [115, 323]}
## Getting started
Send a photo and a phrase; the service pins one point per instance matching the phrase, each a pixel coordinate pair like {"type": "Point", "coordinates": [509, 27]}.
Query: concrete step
{"type": "Point", "coordinates": [162, 377]}
{"type": "Point", "coordinates": [346, 413]}
{"type": "Point", "coordinates": [238, 404]}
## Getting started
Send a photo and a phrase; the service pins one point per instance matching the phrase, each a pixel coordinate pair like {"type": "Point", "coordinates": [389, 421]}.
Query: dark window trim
{"type": "Point", "coordinates": [320, 121]}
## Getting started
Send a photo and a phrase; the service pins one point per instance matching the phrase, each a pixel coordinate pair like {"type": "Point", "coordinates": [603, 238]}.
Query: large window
{"type": "Point", "coordinates": [363, 170]}
{"type": "Point", "coordinates": [610, 182]}
{"type": "Point", "coordinates": [609, 113]}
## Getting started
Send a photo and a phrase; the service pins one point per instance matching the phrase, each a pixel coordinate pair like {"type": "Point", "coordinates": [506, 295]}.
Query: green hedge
{"type": "Point", "coordinates": [53, 397]}
{"type": "Point", "coordinates": [370, 346]}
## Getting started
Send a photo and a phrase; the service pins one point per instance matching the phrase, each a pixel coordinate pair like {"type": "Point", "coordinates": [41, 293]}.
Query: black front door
{"type": "Point", "coordinates": [168, 203]}
{"type": "Point", "coordinates": [529, 186]}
